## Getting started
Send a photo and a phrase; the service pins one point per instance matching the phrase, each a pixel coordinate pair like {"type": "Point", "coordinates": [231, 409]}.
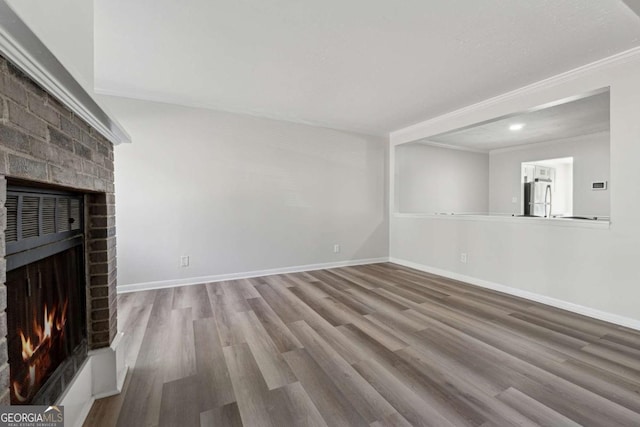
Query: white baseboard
{"type": "Point", "coordinates": [245, 275]}
{"type": "Point", "coordinates": [107, 394]}
{"type": "Point", "coordinates": [569, 306]}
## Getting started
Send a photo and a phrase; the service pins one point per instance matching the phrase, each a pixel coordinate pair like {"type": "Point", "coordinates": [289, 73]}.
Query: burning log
{"type": "Point", "coordinates": [38, 357]}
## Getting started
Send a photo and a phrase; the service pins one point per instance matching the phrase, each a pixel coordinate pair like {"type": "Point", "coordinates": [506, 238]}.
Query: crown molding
{"type": "Point", "coordinates": [399, 136]}
{"type": "Point", "coordinates": [20, 46]}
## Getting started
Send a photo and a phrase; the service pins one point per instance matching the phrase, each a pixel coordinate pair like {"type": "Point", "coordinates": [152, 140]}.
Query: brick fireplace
{"type": "Point", "coordinates": [44, 144]}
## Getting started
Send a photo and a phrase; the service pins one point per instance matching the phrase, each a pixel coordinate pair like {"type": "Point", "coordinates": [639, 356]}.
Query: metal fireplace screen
{"type": "Point", "coordinates": [46, 313]}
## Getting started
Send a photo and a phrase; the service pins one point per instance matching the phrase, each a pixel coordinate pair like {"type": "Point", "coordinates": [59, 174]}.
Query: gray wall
{"type": "Point", "coordinates": [590, 163]}
{"type": "Point", "coordinates": [432, 179]}
{"type": "Point", "coordinates": [240, 194]}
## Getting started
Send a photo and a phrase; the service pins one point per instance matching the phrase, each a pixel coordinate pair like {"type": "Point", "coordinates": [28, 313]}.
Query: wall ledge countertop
{"type": "Point", "coordinates": [507, 218]}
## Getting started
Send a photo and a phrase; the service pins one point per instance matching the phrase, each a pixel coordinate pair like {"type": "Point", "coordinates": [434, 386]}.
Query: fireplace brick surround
{"type": "Point", "coordinates": [44, 143]}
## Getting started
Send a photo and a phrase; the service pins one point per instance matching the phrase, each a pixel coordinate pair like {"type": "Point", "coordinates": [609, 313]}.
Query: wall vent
{"type": "Point", "coordinates": [38, 219]}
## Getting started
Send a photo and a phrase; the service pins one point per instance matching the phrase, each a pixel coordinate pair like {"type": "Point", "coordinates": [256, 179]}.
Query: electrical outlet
{"type": "Point", "coordinates": [514, 199]}
{"type": "Point", "coordinates": [463, 257]}
{"type": "Point", "coordinates": [184, 261]}
{"type": "Point", "coordinates": [336, 248]}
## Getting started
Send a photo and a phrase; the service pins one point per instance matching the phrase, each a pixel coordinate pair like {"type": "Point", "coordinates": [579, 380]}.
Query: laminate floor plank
{"type": "Point", "coordinates": [336, 318]}
{"type": "Point", "coordinates": [214, 288]}
{"type": "Point", "coordinates": [275, 371]}
{"type": "Point", "coordinates": [215, 389]}
{"type": "Point", "coordinates": [285, 302]}
{"type": "Point", "coordinates": [138, 298]}
{"type": "Point", "coordinates": [540, 333]}
{"type": "Point", "coordinates": [278, 280]}
{"type": "Point", "coordinates": [397, 278]}
{"type": "Point", "coordinates": [180, 361]}
{"type": "Point", "coordinates": [622, 356]}
{"type": "Point", "coordinates": [234, 296]}
{"type": "Point", "coordinates": [398, 321]}
{"type": "Point", "coordinates": [247, 288]}
{"type": "Point", "coordinates": [353, 281]}
{"type": "Point", "coordinates": [125, 302]}
{"type": "Point", "coordinates": [373, 279]}
{"type": "Point", "coordinates": [136, 327]}
{"type": "Point", "coordinates": [147, 379]}
{"type": "Point", "coordinates": [371, 345]}
{"type": "Point", "coordinates": [534, 410]}
{"type": "Point", "coordinates": [501, 301]}
{"type": "Point", "coordinates": [571, 349]}
{"type": "Point", "coordinates": [296, 407]}
{"type": "Point", "coordinates": [310, 288]}
{"type": "Point", "coordinates": [490, 408]}
{"type": "Point", "coordinates": [285, 311]}
{"type": "Point", "coordinates": [345, 348]}
{"type": "Point", "coordinates": [570, 320]}
{"type": "Point", "coordinates": [280, 334]}
{"type": "Point", "coordinates": [434, 389]}
{"type": "Point", "coordinates": [249, 386]}
{"type": "Point", "coordinates": [194, 297]}
{"type": "Point", "coordinates": [332, 404]}
{"type": "Point", "coordinates": [499, 367]}
{"type": "Point", "coordinates": [415, 293]}
{"type": "Point", "coordinates": [478, 308]}
{"type": "Point", "coordinates": [225, 416]}
{"type": "Point", "coordinates": [564, 330]}
{"type": "Point", "coordinates": [225, 310]}
{"type": "Point", "coordinates": [428, 292]}
{"type": "Point", "coordinates": [300, 280]}
{"type": "Point", "coordinates": [376, 299]}
{"type": "Point", "coordinates": [179, 405]}
{"type": "Point", "coordinates": [617, 388]}
{"type": "Point", "coordinates": [618, 347]}
{"type": "Point", "coordinates": [387, 339]}
{"type": "Point", "coordinates": [162, 304]}
{"type": "Point", "coordinates": [344, 297]}
{"type": "Point", "coordinates": [581, 406]}
{"type": "Point", "coordinates": [360, 393]}
{"type": "Point", "coordinates": [610, 386]}
{"type": "Point", "coordinates": [413, 408]}
{"type": "Point", "coordinates": [495, 331]}
{"type": "Point", "coordinates": [329, 278]}
{"type": "Point", "coordinates": [393, 420]}
{"type": "Point", "coordinates": [624, 337]}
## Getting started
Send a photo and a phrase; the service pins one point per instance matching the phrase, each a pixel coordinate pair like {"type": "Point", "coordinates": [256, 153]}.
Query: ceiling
{"type": "Point", "coordinates": [580, 117]}
{"type": "Point", "coordinates": [370, 66]}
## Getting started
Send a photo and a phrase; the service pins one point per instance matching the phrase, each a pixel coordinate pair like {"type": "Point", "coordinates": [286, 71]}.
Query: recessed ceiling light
{"type": "Point", "coordinates": [516, 126]}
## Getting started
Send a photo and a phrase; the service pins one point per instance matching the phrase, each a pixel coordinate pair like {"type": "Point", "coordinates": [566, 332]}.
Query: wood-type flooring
{"type": "Point", "coordinates": [375, 345]}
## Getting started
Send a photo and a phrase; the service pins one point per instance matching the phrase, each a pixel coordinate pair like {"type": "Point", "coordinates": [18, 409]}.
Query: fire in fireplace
{"type": "Point", "coordinates": [40, 355]}
{"type": "Point", "coordinates": [46, 320]}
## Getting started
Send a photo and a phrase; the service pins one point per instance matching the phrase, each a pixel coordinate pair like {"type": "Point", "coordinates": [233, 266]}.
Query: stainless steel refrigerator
{"type": "Point", "coordinates": [537, 197]}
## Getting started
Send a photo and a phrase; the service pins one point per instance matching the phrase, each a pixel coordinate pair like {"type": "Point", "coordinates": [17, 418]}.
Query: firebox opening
{"type": "Point", "coordinates": [46, 302]}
